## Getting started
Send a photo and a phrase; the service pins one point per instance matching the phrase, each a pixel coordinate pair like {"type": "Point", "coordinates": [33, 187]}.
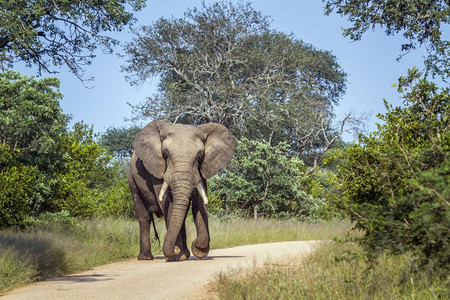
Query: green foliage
{"type": "Point", "coordinates": [31, 123]}
{"type": "Point", "coordinates": [60, 32]}
{"type": "Point", "coordinates": [396, 181]}
{"type": "Point", "coordinates": [46, 168]}
{"type": "Point", "coordinates": [223, 63]}
{"type": "Point", "coordinates": [17, 187]}
{"type": "Point", "coordinates": [420, 22]}
{"type": "Point", "coordinates": [320, 185]}
{"type": "Point", "coordinates": [31, 120]}
{"type": "Point", "coordinates": [115, 200]}
{"type": "Point", "coordinates": [264, 179]}
{"type": "Point", "coordinates": [89, 176]}
{"type": "Point", "coordinates": [119, 140]}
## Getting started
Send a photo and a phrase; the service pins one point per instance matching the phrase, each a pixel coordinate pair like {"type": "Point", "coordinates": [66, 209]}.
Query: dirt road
{"type": "Point", "coordinates": [157, 279]}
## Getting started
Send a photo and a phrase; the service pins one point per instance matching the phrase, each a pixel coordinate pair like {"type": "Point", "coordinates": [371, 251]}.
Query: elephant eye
{"type": "Point", "coordinates": [201, 156]}
{"type": "Point", "coordinates": [165, 154]}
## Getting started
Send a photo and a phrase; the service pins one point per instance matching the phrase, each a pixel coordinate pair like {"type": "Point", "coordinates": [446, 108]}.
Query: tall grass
{"type": "Point", "coordinates": [58, 249]}
{"type": "Point", "coordinates": [244, 232]}
{"type": "Point", "coordinates": [334, 271]}
{"type": "Point", "coordinates": [55, 249]}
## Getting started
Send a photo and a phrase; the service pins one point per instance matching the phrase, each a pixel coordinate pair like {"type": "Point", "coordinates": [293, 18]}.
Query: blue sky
{"type": "Point", "coordinates": [370, 63]}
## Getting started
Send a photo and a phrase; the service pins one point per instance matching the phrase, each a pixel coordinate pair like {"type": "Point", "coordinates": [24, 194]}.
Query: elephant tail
{"type": "Point", "coordinates": [154, 228]}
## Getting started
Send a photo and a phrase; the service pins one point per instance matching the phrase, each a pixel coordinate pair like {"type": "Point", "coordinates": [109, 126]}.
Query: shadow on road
{"type": "Point", "coordinates": [212, 257]}
{"type": "Point", "coordinates": [83, 278]}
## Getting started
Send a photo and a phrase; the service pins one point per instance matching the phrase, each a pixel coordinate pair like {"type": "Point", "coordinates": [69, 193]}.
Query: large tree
{"type": "Point", "coordinates": [421, 23]}
{"type": "Point", "coordinates": [60, 32]}
{"type": "Point", "coordinates": [119, 140]}
{"type": "Point", "coordinates": [31, 120]}
{"type": "Point", "coordinates": [223, 63]}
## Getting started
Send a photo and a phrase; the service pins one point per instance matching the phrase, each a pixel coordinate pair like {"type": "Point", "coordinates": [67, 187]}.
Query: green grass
{"type": "Point", "coordinates": [55, 249]}
{"type": "Point", "coordinates": [334, 271]}
{"type": "Point", "coordinates": [58, 249]}
{"type": "Point", "coordinates": [245, 232]}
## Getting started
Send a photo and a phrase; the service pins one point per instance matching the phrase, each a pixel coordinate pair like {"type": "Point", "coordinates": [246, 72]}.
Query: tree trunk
{"type": "Point", "coordinates": [255, 211]}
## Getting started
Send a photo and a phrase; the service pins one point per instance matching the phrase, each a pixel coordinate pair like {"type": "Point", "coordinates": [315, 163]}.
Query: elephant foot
{"type": "Point", "coordinates": [180, 257]}
{"type": "Point", "coordinates": [145, 256]}
{"type": "Point", "coordinates": [199, 252]}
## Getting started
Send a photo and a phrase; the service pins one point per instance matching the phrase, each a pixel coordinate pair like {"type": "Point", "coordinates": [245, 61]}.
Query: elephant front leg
{"type": "Point", "coordinates": [200, 246]}
{"type": "Point", "coordinates": [144, 218]}
{"type": "Point", "coordinates": [145, 252]}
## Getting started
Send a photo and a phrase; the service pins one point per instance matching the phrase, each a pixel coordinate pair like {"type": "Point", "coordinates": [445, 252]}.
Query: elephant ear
{"type": "Point", "coordinates": [219, 147]}
{"type": "Point", "coordinates": [147, 146]}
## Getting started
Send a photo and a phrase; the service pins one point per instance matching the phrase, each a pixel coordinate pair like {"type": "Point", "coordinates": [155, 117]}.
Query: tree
{"type": "Point", "coordinates": [119, 140]}
{"type": "Point", "coordinates": [43, 166]}
{"type": "Point", "coordinates": [420, 22]}
{"type": "Point", "coordinates": [395, 182]}
{"type": "Point", "coordinates": [31, 120]}
{"type": "Point", "coordinates": [223, 63]}
{"type": "Point", "coordinates": [17, 188]}
{"type": "Point", "coordinates": [264, 180]}
{"type": "Point", "coordinates": [60, 32]}
{"type": "Point", "coordinates": [88, 172]}
{"type": "Point", "coordinates": [31, 123]}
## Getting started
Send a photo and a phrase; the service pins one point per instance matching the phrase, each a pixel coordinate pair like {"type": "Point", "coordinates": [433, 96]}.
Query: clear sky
{"type": "Point", "coordinates": [370, 64]}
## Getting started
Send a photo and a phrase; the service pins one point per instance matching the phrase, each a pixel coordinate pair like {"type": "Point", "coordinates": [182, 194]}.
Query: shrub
{"type": "Point", "coordinates": [396, 181]}
{"type": "Point", "coordinates": [266, 180]}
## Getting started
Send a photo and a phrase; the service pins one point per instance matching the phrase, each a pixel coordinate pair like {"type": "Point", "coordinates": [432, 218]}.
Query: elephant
{"type": "Point", "coordinates": [169, 167]}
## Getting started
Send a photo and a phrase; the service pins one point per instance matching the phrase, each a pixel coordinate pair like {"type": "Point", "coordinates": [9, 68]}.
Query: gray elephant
{"type": "Point", "coordinates": [168, 173]}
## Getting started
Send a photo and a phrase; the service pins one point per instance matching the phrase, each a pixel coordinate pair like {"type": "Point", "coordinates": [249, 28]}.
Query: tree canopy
{"type": "Point", "coordinates": [223, 63]}
{"type": "Point", "coordinates": [31, 120]}
{"type": "Point", "coordinates": [60, 32]}
{"type": "Point", "coordinates": [421, 23]}
{"type": "Point", "coordinates": [119, 140]}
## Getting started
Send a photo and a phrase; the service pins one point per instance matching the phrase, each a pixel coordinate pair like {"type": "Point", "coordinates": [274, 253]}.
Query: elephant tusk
{"type": "Point", "coordinates": [163, 191]}
{"type": "Point", "coordinates": [202, 193]}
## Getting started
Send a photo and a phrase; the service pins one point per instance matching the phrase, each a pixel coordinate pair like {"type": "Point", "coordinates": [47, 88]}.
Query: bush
{"type": "Point", "coordinates": [395, 182]}
{"type": "Point", "coordinates": [265, 180]}
{"type": "Point", "coordinates": [16, 186]}
{"type": "Point", "coordinates": [116, 200]}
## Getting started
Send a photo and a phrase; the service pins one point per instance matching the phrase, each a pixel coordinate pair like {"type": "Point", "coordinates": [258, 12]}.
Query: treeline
{"type": "Point", "coordinates": [46, 166]}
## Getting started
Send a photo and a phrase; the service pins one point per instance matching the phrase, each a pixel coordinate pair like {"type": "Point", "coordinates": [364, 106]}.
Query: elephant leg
{"type": "Point", "coordinates": [145, 252]}
{"type": "Point", "coordinates": [200, 246]}
{"type": "Point", "coordinates": [181, 242]}
{"type": "Point", "coordinates": [144, 218]}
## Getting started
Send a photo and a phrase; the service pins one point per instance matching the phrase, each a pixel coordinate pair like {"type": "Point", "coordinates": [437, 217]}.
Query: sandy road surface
{"type": "Point", "coordinates": [157, 279]}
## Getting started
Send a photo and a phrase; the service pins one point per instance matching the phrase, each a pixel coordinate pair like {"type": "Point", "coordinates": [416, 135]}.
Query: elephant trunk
{"type": "Point", "coordinates": [181, 192]}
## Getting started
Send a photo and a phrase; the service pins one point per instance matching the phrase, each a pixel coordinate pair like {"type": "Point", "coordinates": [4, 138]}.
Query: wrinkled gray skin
{"type": "Point", "coordinates": [168, 173]}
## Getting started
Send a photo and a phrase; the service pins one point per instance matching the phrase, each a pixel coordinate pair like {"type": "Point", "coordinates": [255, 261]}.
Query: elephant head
{"type": "Point", "coordinates": [183, 156]}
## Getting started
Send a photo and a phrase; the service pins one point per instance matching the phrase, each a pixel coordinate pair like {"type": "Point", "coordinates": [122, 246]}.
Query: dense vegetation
{"type": "Point", "coordinates": [47, 167]}
{"type": "Point", "coordinates": [223, 63]}
{"type": "Point", "coordinates": [396, 181]}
